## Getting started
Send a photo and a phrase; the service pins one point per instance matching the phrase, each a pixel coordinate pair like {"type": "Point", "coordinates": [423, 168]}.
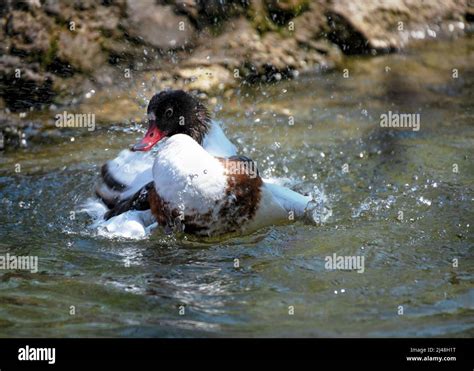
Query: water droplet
{"type": "Point", "coordinates": [425, 201]}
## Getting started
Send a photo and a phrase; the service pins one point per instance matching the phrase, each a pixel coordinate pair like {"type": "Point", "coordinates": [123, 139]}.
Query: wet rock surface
{"type": "Point", "coordinates": [361, 27]}
{"type": "Point", "coordinates": [271, 56]}
{"type": "Point", "coordinates": [53, 52]}
{"type": "Point", "coordinates": [158, 25]}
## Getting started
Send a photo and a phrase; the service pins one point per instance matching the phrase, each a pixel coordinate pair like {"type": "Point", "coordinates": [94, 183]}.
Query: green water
{"type": "Point", "coordinates": [399, 202]}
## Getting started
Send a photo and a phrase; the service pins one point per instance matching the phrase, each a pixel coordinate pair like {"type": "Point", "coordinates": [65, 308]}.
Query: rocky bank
{"type": "Point", "coordinates": [52, 52]}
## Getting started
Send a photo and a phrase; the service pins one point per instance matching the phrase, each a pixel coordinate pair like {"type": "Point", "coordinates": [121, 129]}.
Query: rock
{"type": "Point", "coordinates": [208, 79]}
{"type": "Point", "coordinates": [194, 44]}
{"type": "Point", "coordinates": [85, 4]}
{"type": "Point", "coordinates": [258, 13]}
{"type": "Point", "coordinates": [361, 26]}
{"type": "Point", "coordinates": [289, 6]}
{"type": "Point", "coordinates": [28, 35]}
{"type": "Point", "coordinates": [14, 131]}
{"type": "Point", "coordinates": [214, 12]}
{"type": "Point", "coordinates": [189, 7]}
{"type": "Point", "coordinates": [281, 11]}
{"type": "Point", "coordinates": [218, 10]}
{"type": "Point", "coordinates": [242, 50]}
{"type": "Point", "coordinates": [80, 49]}
{"type": "Point", "coordinates": [107, 21]}
{"type": "Point", "coordinates": [158, 25]}
{"type": "Point", "coordinates": [312, 24]}
{"type": "Point", "coordinates": [33, 4]}
{"type": "Point", "coordinates": [469, 16]}
{"type": "Point", "coordinates": [24, 85]}
{"type": "Point", "coordinates": [5, 7]}
{"type": "Point", "coordinates": [229, 50]}
{"type": "Point", "coordinates": [52, 7]}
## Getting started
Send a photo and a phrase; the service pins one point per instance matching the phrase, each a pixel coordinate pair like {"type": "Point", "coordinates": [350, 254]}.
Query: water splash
{"type": "Point", "coordinates": [319, 210]}
{"type": "Point", "coordinates": [375, 205]}
{"type": "Point", "coordinates": [132, 224]}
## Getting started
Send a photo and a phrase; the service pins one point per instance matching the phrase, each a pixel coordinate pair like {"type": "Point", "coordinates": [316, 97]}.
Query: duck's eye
{"type": "Point", "coordinates": [169, 112]}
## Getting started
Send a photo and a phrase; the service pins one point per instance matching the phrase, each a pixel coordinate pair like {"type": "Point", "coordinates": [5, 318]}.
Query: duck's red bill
{"type": "Point", "coordinates": [152, 136]}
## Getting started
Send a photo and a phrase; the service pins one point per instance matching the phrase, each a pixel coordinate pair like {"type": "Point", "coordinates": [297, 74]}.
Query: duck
{"type": "Point", "coordinates": [194, 182]}
{"type": "Point", "coordinates": [131, 170]}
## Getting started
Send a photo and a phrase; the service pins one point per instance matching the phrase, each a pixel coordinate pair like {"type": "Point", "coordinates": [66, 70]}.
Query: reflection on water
{"type": "Point", "coordinates": [395, 197]}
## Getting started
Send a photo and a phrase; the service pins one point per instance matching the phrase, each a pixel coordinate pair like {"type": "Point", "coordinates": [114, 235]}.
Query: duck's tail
{"type": "Point", "coordinates": [123, 177]}
{"type": "Point", "coordinates": [289, 200]}
{"type": "Point", "coordinates": [313, 209]}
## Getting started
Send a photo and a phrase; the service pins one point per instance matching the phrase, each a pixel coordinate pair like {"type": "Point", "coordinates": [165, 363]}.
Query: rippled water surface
{"type": "Point", "coordinates": [401, 205]}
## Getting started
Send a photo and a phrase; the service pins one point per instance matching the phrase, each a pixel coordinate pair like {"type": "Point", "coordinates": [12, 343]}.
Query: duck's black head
{"type": "Point", "coordinates": [174, 112]}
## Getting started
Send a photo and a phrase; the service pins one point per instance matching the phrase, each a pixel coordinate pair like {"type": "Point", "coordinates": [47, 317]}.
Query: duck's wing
{"type": "Point", "coordinates": [123, 176]}
{"type": "Point", "coordinates": [127, 167]}
{"type": "Point", "coordinates": [217, 144]}
{"type": "Point", "coordinates": [138, 201]}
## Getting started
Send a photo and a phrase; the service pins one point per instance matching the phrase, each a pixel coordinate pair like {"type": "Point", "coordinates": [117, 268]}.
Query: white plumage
{"type": "Point", "coordinates": [189, 177]}
{"type": "Point", "coordinates": [134, 169]}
